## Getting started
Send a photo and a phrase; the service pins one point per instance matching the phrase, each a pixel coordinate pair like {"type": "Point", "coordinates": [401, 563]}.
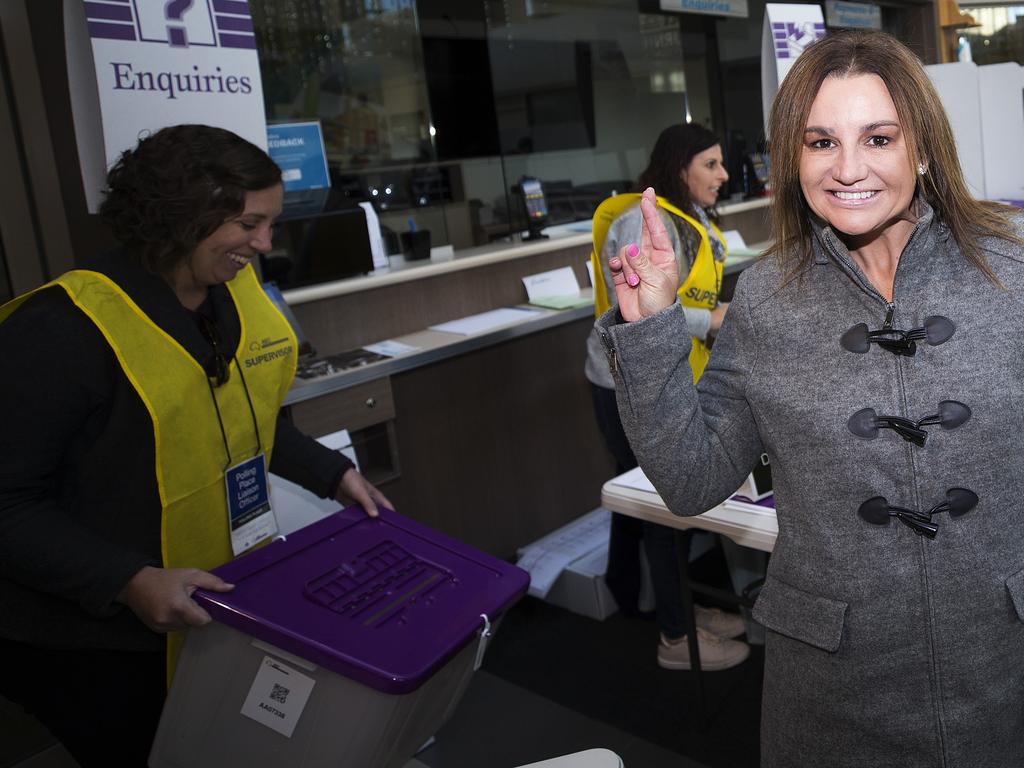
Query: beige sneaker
{"type": "Point", "coordinates": [717, 622]}
{"type": "Point", "coordinates": [716, 653]}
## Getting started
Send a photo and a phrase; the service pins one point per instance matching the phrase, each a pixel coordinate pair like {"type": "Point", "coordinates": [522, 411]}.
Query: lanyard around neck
{"type": "Point", "coordinates": [209, 330]}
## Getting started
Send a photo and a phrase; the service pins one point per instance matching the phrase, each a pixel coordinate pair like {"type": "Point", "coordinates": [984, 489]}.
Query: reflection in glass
{"type": "Point", "coordinates": [357, 66]}
{"type": "Point", "coordinates": [1000, 36]}
{"type": "Point", "coordinates": [435, 110]}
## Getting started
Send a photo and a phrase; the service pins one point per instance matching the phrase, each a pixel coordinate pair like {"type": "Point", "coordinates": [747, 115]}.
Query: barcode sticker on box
{"type": "Point", "coordinates": [277, 696]}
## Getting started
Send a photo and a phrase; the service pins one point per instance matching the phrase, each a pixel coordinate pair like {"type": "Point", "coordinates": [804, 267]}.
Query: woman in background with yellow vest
{"type": "Point", "coordinates": [135, 390]}
{"type": "Point", "coordinates": [686, 168]}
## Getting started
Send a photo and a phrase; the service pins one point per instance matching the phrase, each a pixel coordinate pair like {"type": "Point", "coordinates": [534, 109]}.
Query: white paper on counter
{"type": "Point", "coordinates": [546, 558]}
{"type": "Point", "coordinates": [339, 441]}
{"type": "Point", "coordinates": [590, 270]}
{"type": "Point", "coordinates": [556, 282]}
{"type": "Point", "coordinates": [635, 478]}
{"type": "Point", "coordinates": [294, 506]}
{"type": "Point", "coordinates": [734, 240]}
{"type": "Point", "coordinates": [391, 348]}
{"type": "Point", "coordinates": [442, 253]}
{"type": "Point", "coordinates": [485, 321]}
{"type": "Point", "coordinates": [380, 258]}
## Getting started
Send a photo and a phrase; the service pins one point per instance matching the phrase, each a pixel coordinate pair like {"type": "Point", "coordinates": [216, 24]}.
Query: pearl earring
{"type": "Point", "coordinates": [921, 170]}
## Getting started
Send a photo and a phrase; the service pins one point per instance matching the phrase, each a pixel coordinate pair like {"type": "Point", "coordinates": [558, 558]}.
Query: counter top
{"type": "Point", "coordinates": [401, 271]}
{"type": "Point", "coordinates": [432, 346]}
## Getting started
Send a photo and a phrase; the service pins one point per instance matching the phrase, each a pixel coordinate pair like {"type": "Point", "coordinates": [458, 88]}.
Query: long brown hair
{"type": "Point", "coordinates": [673, 152]}
{"type": "Point", "coordinates": [929, 141]}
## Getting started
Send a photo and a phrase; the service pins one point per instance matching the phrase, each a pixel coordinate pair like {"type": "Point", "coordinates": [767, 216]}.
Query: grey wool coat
{"type": "Point", "coordinates": [885, 647]}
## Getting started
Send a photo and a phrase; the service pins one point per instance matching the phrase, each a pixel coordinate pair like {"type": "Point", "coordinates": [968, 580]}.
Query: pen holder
{"type": "Point", "coordinates": [416, 245]}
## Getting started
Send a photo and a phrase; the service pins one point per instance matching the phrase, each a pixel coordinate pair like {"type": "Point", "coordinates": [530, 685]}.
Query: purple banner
{"type": "Point", "coordinates": [237, 7]}
{"type": "Point", "coordinates": [785, 32]}
{"type": "Point", "coordinates": [111, 31]}
{"type": "Point", "coordinates": [112, 12]}
{"type": "Point", "coordinates": [779, 35]}
{"type": "Point", "coordinates": [234, 24]}
{"type": "Point", "coordinates": [237, 41]}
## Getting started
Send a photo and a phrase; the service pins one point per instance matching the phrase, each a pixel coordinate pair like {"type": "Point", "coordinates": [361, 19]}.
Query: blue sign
{"type": "Point", "coordinates": [713, 7]}
{"type": "Point", "coordinates": [299, 149]}
{"type": "Point", "coordinates": [140, 65]}
{"type": "Point", "coordinates": [854, 15]}
{"type": "Point", "coordinates": [248, 491]}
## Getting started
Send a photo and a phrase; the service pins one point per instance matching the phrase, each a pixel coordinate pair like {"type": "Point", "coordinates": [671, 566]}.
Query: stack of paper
{"type": "Point", "coordinates": [547, 558]}
{"type": "Point", "coordinates": [635, 478]}
{"type": "Point", "coordinates": [556, 289]}
{"type": "Point", "coordinates": [765, 506]}
{"type": "Point", "coordinates": [486, 321]}
{"type": "Point", "coordinates": [391, 348]}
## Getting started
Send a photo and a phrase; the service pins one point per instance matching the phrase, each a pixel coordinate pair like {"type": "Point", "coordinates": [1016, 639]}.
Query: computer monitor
{"type": "Point", "coordinates": [319, 249]}
{"type": "Point", "coordinates": [536, 206]}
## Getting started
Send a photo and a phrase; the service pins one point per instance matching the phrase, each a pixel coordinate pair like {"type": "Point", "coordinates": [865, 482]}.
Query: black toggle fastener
{"type": "Point", "coordinates": [877, 511]}
{"type": "Point", "coordinates": [866, 422]}
{"type": "Point", "coordinates": [936, 330]}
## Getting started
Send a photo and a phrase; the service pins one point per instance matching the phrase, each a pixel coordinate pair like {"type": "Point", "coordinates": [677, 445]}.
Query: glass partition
{"type": "Point", "coordinates": [435, 109]}
{"type": "Point", "coordinates": [999, 36]}
{"type": "Point", "coordinates": [582, 93]}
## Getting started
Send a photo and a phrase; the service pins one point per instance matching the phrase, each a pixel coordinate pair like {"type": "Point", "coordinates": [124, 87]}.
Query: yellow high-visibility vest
{"type": "Point", "coordinates": [190, 451]}
{"type": "Point", "coordinates": [699, 289]}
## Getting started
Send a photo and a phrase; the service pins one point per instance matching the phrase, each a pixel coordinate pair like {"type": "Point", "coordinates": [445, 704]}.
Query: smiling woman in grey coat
{"type": "Point", "coordinates": [876, 356]}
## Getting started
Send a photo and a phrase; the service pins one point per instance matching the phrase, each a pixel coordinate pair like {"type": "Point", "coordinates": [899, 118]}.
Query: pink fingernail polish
{"type": "Point", "coordinates": [632, 250]}
{"type": "Point", "coordinates": [633, 280]}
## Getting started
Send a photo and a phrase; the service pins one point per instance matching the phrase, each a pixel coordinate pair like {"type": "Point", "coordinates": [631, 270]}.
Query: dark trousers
{"type": "Point", "coordinates": [103, 706]}
{"type": "Point", "coordinates": [623, 574]}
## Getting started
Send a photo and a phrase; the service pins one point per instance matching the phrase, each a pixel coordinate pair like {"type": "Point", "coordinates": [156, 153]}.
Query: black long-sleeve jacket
{"type": "Point", "coordinates": [79, 507]}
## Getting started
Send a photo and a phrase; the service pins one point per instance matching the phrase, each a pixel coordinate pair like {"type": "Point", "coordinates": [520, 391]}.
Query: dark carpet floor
{"type": "Point", "coordinates": [607, 670]}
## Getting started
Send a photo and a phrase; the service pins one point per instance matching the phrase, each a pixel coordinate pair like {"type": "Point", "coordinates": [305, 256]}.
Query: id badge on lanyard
{"type": "Point", "coordinates": [250, 518]}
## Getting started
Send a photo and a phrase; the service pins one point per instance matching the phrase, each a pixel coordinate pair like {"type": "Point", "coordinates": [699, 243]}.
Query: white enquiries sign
{"type": "Point", "coordinates": [135, 66]}
{"type": "Point", "coordinates": [788, 30]}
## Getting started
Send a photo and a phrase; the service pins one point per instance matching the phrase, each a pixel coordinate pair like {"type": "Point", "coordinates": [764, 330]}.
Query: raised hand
{"type": "Point", "coordinates": [646, 275]}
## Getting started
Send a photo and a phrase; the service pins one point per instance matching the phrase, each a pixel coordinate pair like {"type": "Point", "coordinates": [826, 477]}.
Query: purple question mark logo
{"type": "Point", "coordinates": [173, 11]}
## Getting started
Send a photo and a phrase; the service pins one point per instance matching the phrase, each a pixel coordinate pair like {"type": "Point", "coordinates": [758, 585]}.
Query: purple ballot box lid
{"type": "Point", "coordinates": [383, 601]}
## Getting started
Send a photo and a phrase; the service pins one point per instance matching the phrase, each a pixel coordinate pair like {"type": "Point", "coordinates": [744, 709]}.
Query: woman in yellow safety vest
{"type": "Point", "coordinates": [141, 403]}
{"type": "Point", "coordinates": [686, 169]}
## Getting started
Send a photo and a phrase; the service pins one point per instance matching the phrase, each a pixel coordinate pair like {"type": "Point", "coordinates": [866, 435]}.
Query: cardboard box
{"type": "Point", "coordinates": [579, 552]}
{"type": "Point", "coordinates": [581, 588]}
